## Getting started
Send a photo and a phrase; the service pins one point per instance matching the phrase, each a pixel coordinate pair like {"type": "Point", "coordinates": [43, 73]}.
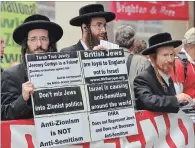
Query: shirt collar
{"type": "Point", "coordinates": [84, 45]}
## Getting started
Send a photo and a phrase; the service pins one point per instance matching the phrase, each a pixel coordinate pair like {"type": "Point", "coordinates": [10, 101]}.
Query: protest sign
{"type": "Point", "coordinates": [104, 66]}
{"type": "Point", "coordinates": [58, 100]}
{"type": "Point", "coordinates": [54, 69]}
{"type": "Point", "coordinates": [112, 124]}
{"type": "Point", "coordinates": [62, 129]}
{"type": "Point", "coordinates": [109, 95]}
{"type": "Point", "coordinates": [87, 91]}
{"type": "Point", "coordinates": [103, 99]}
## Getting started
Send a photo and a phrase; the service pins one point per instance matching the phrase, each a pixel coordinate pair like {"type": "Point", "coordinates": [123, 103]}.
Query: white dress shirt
{"type": "Point", "coordinates": [84, 45]}
{"type": "Point", "coordinates": [164, 76]}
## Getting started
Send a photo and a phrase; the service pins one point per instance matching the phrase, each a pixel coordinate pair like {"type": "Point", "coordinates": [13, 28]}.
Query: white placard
{"type": "Point", "coordinates": [108, 45]}
{"type": "Point", "coordinates": [104, 66]}
{"type": "Point", "coordinates": [55, 72]}
{"type": "Point", "coordinates": [62, 129]}
{"type": "Point", "coordinates": [111, 124]}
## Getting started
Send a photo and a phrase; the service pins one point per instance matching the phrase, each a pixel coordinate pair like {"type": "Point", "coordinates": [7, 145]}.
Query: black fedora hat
{"type": "Point", "coordinates": [89, 11]}
{"type": "Point", "coordinates": [160, 40]}
{"type": "Point", "coordinates": [37, 21]}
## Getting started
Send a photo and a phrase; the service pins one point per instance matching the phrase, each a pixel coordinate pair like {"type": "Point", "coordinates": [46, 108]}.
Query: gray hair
{"type": "Point", "coordinates": [125, 36]}
{"type": "Point", "coordinates": [139, 46]}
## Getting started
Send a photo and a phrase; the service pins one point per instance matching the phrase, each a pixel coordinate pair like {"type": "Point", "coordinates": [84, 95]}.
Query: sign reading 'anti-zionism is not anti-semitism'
{"type": "Point", "coordinates": [80, 96]}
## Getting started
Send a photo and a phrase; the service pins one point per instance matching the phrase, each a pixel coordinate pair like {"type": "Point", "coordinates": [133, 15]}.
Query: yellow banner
{"type": "Point", "coordinates": [13, 14]}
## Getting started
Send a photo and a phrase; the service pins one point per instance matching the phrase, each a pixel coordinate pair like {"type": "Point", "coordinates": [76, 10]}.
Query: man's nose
{"type": "Point", "coordinates": [38, 43]}
{"type": "Point", "coordinates": [170, 58]}
{"type": "Point", "coordinates": [103, 29]}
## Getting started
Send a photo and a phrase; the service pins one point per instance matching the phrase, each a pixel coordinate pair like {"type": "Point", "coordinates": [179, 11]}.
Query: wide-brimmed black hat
{"type": "Point", "coordinates": [90, 11]}
{"type": "Point", "coordinates": [160, 40]}
{"type": "Point", "coordinates": [37, 21]}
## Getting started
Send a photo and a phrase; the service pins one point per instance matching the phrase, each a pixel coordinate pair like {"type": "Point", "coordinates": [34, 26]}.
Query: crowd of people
{"type": "Point", "coordinates": [160, 80]}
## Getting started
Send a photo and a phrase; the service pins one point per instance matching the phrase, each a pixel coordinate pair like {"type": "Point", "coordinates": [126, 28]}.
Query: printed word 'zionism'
{"type": "Point", "coordinates": [59, 122]}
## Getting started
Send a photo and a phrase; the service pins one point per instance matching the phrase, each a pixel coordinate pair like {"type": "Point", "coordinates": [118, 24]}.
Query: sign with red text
{"type": "Point", "coordinates": [156, 130]}
{"type": "Point", "coordinates": [131, 10]}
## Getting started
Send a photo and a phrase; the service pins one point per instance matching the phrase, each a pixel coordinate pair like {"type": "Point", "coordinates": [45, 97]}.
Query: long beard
{"type": "Point", "coordinates": [96, 40]}
{"type": "Point", "coordinates": [166, 68]}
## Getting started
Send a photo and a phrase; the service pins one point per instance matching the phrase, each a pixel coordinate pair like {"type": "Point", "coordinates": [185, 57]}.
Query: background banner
{"type": "Point", "coordinates": [13, 14]}
{"type": "Point", "coordinates": [132, 10]}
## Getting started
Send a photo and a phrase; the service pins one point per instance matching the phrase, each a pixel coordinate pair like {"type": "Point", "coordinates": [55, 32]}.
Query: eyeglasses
{"type": "Point", "coordinates": [43, 39]}
{"type": "Point", "coordinates": [99, 26]}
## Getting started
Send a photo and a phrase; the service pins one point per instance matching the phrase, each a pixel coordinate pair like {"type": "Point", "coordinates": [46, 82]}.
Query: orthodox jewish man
{"type": "Point", "coordinates": [153, 88]}
{"type": "Point", "coordinates": [37, 34]}
{"type": "Point", "coordinates": [93, 21]}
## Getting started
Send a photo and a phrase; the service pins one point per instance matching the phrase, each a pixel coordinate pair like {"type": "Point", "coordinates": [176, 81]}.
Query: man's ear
{"type": "Point", "coordinates": [84, 27]}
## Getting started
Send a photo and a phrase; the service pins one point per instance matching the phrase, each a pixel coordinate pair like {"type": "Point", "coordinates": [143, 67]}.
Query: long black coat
{"type": "Point", "coordinates": [150, 95]}
{"type": "Point", "coordinates": [13, 105]}
{"type": "Point", "coordinates": [76, 47]}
